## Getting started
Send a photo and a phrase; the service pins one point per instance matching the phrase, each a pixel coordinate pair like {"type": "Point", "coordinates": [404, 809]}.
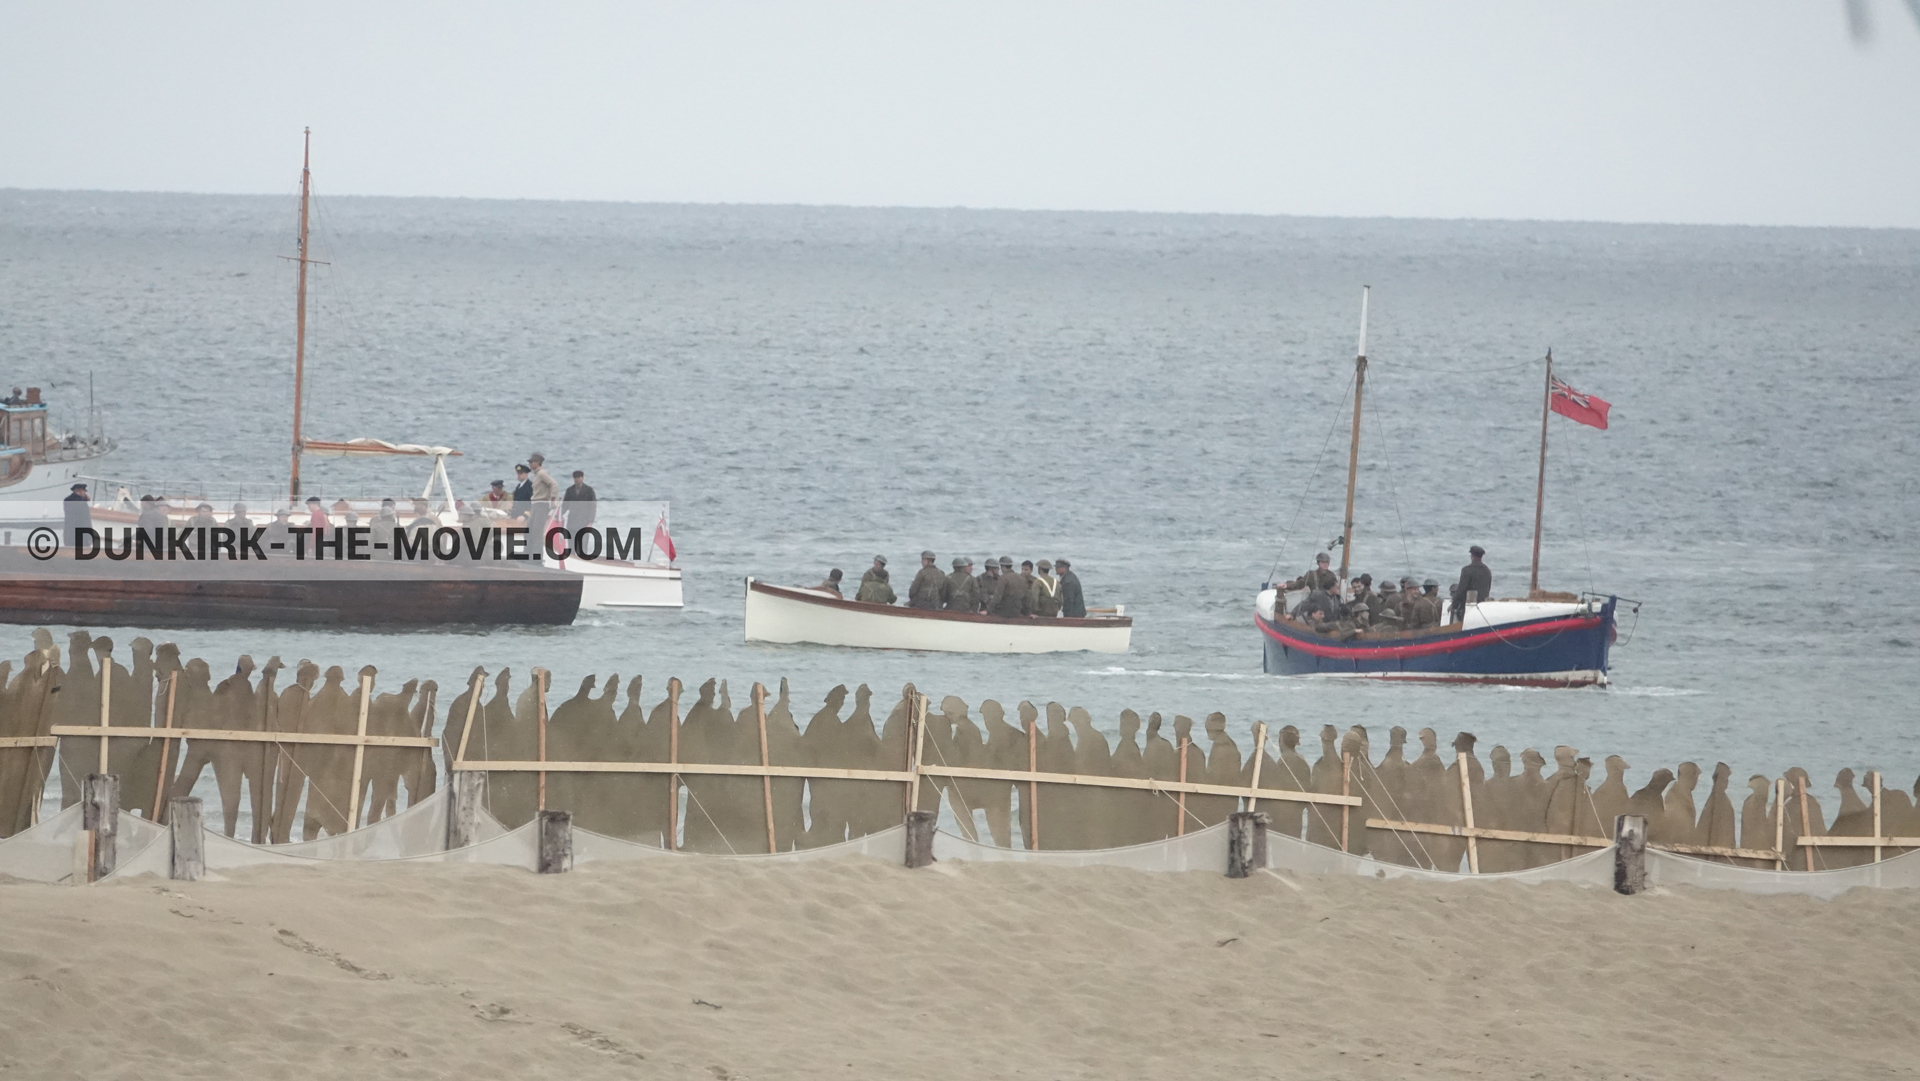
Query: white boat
{"type": "Point", "coordinates": [618, 584]}
{"type": "Point", "coordinates": [794, 615]}
{"type": "Point", "coordinates": [37, 465]}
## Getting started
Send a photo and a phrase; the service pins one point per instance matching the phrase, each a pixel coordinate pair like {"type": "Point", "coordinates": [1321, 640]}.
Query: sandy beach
{"type": "Point", "coordinates": [854, 968]}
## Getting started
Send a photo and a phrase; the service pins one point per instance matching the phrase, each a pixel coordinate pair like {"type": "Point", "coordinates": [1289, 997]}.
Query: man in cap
{"type": "Point", "coordinates": [988, 583]}
{"type": "Point", "coordinates": [1046, 591]}
{"type": "Point", "coordinates": [1425, 609]}
{"type": "Point", "coordinates": [1012, 595]}
{"type": "Point", "coordinates": [963, 593]}
{"type": "Point", "coordinates": [1073, 603]}
{"type": "Point", "coordinates": [495, 497]}
{"type": "Point", "coordinates": [78, 512]}
{"type": "Point", "coordinates": [545, 491]}
{"type": "Point", "coordinates": [580, 504]}
{"type": "Point", "coordinates": [1387, 616]}
{"type": "Point", "coordinates": [873, 584]}
{"type": "Point", "coordinates": [1476, 578]}
{"type": "Point", "coordinates": [388, 520]}
{"type": "Point", "coordinates": [1321, 577]}
{"type": "Point", "coordinates": [928, 590]}
{"type": "Point", "coordinates": [521, 502]}
{"type": "Point", "coordinates": [832, 584]}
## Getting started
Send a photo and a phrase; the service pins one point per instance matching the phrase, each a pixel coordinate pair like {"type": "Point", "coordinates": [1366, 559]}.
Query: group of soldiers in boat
{"type": "Point", "coordinates": [1365, 612]}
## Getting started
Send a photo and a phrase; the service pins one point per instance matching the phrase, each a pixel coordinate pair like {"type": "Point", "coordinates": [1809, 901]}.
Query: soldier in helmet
{"type": "Point", "coordinates": [874, 588]}
{"type": "Point", "coordinates": [963, 593]}
{"type": "Point", "coordinates": [1387, 616]}
{"type": "Point", "coordinates": [1012, 595]}
{"type": "Point", "coordinates": [1425, 611]}
{"type": "Point", "coordinates": [928, 591]}
{"type": "Point", "coordinates": [1320, 578]}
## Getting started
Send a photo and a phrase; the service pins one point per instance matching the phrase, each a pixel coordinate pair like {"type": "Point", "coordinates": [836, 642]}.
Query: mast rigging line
{"type": "Point", "coordinates": [1311, 477]}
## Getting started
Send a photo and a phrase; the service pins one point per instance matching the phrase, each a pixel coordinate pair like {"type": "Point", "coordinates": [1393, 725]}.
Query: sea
{"type": "Point", "coordinates": [1164, 399]}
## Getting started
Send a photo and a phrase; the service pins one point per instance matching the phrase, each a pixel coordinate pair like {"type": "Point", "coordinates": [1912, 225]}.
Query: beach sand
{"type": "Point", "coordinates": [854, 968]}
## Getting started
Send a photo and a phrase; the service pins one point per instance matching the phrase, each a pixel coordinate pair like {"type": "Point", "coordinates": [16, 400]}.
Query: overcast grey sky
{"type": "Point", "coordinates": [1751, 111]}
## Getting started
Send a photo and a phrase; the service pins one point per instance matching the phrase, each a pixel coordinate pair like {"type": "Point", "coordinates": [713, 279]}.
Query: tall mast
{"type": "Point", "coordinates": [1540, 489]}
{"type": "Point", "coordinates": [1353, 452]}
{"type": "Point", "coordinates": [300, 313]}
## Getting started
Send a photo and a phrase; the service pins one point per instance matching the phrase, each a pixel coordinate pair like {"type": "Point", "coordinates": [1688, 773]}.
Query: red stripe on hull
{"type": "Point", "coordinates": [1427, 649]}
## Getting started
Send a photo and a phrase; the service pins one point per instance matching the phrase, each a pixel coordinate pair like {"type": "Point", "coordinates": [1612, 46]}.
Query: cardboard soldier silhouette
{"type": "Point", "coordinates": [1006, 748]}
{"type": "Point", "coordinates": [1100, 808]}
{"type": "Point", "coordinates": [1426, 799]}
{"type": "Point", "coordinates": [972, 797]}
{"type": "Point", "coordinates": [139, 769]}
{"type": "Point", "coordinates": [1852, 818]}
{"type": "Point", "coordinates": [1756, 819]}
{"type": "Point", "coordinates": [1530, 795]}
{"type": "Point", "coordinates": [1610, 795]}
{"type": "Point", "coordinates": [896, 748]}
{"type": "Point", "coordinates": [872, 806]}
{"type": "Point", "coordinates": [1323, 819]}
{"type": "Point", "coordinates": [717, 818]}
{"type": "Point", "coordinates": [1133, 810]}
{"type": "Point", "coordinates": [1293, 773]}
{"type": "Point", "coordinates": [789, 793]}
{"type": "Point", "coordinates": [1061, 815]}
{"type": "Point", "coordinates": [1493, 808]}
{"type": "Point", "coordinates": [26, 710]}
{"type": "Point", "coordinates": [292, 761]}
{"type": "Point", "coordinates": [1717, 823]}
{"type": "Point", "coordinates": [334, 709]}
{"type": "Point", "coordinates": [77, 701]}
{"type": "Point", "coordinates": [1453, 853]}
{"type": "Point", "coordinates": [257, 762]}
{"type": "Point", "coordinates": [953, 740]}
{"type": "Point", "coordinates": [1679, 816]}
{"type": "Point", "coordinates": [1221, 767]}
{"type": "Point", "coordinates": [583, 729]}
{"type": "Point", "coordinates": [1162, 762]}
{"type": "Point", "coordinates": [389, 714]}
{"type": "Point", "coordinates": [658, 795]}
{"type": "Point", "coordinates": [1650, 800]}
{"type": "Point", "coordinates": [826, 799]}
{"type": "Point", "coordinates": [1391, 773]}
{"type": "Point", "coordinates": [1354, 745]}
{"type": "Point", "coordinates": [417, 770]}
{"type": "Point", "coordinates": [1897, 816]}
{"type": "Point", "coordinates": [1566, 795]}
{"type": "Point", "coordinates": [193, 707]}
{"type": "Point", "coordinates": [638, 799]}
{"type": "Point", "coordinates": [1027, 796]}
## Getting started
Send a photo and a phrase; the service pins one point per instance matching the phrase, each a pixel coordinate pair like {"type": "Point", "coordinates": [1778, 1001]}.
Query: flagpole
{"type": "Point", "coordinates": [1540, 489]}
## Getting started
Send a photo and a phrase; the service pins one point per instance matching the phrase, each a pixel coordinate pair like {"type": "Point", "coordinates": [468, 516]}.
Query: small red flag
{"type": "Point", "coordinates": [1584, 408]}
{"type": "Point", "coordinates": [662, 540]}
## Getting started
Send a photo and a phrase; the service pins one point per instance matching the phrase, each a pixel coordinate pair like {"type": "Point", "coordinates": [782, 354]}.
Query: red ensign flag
{"type": "Point", "coordinates": [663, 541]}
{"type": "Point", "coordinates": [1584, 408]}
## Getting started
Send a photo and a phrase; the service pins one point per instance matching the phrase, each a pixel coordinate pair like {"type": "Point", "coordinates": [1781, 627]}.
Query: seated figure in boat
{"type": "Point", "coordinates": [1319, 578]}
{"type": "Point", "coordinates": [832, 584]}
{"type": "Point", "coordinates": [874, 588]}
{"type": "Point", "coordinates": [1424, 611]}
{"type": "Point", "coordinates": [1319, 607]}
{"type": "Point", "coordinates": [963, 591]}
{"type": "Point", "coordinates": [1387, 615]}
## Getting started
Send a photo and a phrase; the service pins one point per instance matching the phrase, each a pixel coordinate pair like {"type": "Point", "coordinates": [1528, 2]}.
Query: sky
{"type": "Point", "coordinates": [1762, 112]}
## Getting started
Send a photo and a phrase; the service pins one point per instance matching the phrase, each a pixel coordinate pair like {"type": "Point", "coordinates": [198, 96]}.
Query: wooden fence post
{"type": "Point", "coordinates": [1180, 804]}
{"type": "Point", "coordinates": [1246, 843]}
{"type": "Point", "coordinates": [1780, 823]}
{"type": "Point", "coordinates": [1346, 789]}
{"type": "Point", "coordinates": [1629, 854]}
{"type": "Point", "coordinates": [465, 793]}
{"type": "Point", "coordinates": [766, 780]}
{"type": "Point", "coordinates": [1466, 810]}
{"type": "Point", "coordinates": [540, 679]}
{"type": "Point", "coordinates": [673, 758]}
{"type": "Point", "coordinates": [1806, 826]}
{"type": "Point", "coordinates": [1033, 787]}
{"type": "Point", "coordinates": [1259, 753]}
{"type": "Point", "coordinates": [189, 843]}
{"type": "Point", "coordinates": [920, 838]}
{"type": "Point", "coordinates": [160, 801]}
{"type": "Point", "coordinates": [359, 754]}
{"type": "Point", "coordinates": [100, 815]}
{"type": "Point", "coordinates": [1876, 816]}
{"type": "Point", "coordinates": [106, 705]}
{"type": "Point", "coordinates": [556, 842]}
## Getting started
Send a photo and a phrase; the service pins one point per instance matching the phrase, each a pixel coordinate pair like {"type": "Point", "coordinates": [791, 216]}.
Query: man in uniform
{"type": "Point", "coordinates": [1387, 616]}
{"type": "Point", "coordinates": [1425, 610]}
{"type": "Point", "coordinates": [580, 503]}
{"type": "Point", "coordinates": [1360, 594]}
{"type": "Point", "coordinates": [873, 584]}
{"type": "Point", "coordinates": [1012, 595]}
{"type": "Point", "coordinates": [1475, 578]}
{"type": "Point", "coordinates": [1046, 591]}
{"type": "Point", "coordinates": [1026, 577]}
{"type": "Point", "coordinates": [545, 491]}
{"type": "Point", "coordinates": [78, 513]}
{"type": "Point", "coordinates": [386, 521]}
{"type": "Point", "coordinates": [988, 582]}
{"type": "Point", "coordinates": [1073, 603]}
{"type": "Point", "coordinates": [832, 584]}
{"type": "Point", "coordinates": [928, 591]}
{"type": "Point", "coordinates": [963, 593]}
{"type": "Point", "coordinates": [1320, 577]}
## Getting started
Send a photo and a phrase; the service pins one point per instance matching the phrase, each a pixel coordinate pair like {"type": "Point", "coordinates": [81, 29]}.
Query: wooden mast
{"type": "Point", "coordinates": [300, 311]}
{"type": "Point", "coordinates": [1353, 451]}
{"type": "Point", "coordinates": [1540, 488]}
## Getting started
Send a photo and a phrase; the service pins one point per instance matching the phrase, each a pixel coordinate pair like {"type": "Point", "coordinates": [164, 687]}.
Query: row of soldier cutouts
{"type": "Point", "coordinates": [301, 791]}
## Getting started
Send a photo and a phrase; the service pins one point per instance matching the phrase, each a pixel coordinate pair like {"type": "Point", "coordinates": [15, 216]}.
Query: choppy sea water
{"type": "Point", "coordinates": [1157, 397]}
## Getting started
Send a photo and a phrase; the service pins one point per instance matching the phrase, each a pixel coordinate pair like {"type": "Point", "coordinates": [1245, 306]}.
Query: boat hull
{"type": "Point", "coordinates": [281, 595]}
{"type": "Point", "coordinates": [1556, 651]}
{"type": "Point", "coordinates": [607, 584]}
{"type": "Point", "coordinates": [780, 614]}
